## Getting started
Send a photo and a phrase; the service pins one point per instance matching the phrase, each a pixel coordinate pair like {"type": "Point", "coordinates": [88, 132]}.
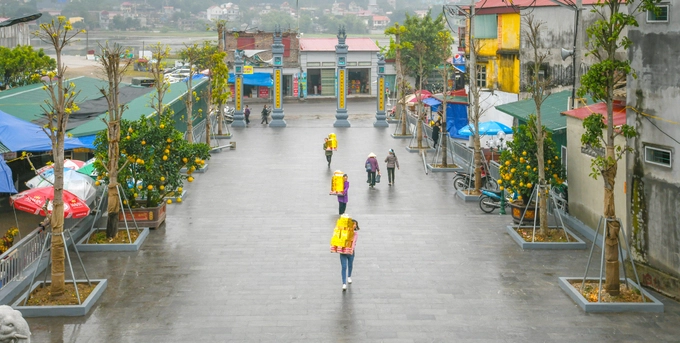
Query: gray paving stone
{"type": "Point", "coordinates": [245, 258]}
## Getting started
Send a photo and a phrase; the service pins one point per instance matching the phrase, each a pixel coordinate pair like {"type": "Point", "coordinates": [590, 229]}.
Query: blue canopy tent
{"type": "Point", "coordinates": [456, 112]}
{"type": "Point", "coordinates": [19, 135]}
{"type": "Point", "coordinates": [6, 183]}
{"type": "Point", "coordinates": [254, 79]}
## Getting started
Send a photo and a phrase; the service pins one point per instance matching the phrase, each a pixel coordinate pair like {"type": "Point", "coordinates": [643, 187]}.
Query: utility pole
{"type": "Point", "coordinates": [578, 43]}
{"type": "Point", "coordinates": [472, 61]}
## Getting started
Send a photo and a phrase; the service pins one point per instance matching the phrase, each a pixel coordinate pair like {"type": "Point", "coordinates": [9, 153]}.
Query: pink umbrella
{"type": "Point", "coordinates": [423, 94]}
{"type": "Point", "coordinates": [33, 201]}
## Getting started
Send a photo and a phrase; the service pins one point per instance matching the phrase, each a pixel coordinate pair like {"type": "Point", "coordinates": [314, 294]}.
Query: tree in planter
{"type": "Point", "coordinates": [539, 93]}
{"type": "Point", "coordinates": [62, 102]}
{"type": "Point", "coordinates": [192, 56]}
{"type": "Point", "coordinates": [159, 53]}
{"type": "Point", "coordinates": [206, 61]}
{"type": "Point", "coordinates": [115, 67]}
{"type": "Point", "coordinates": [519, 169]}
{"type": "Point", "coordinates": [421, 60]}
{"type": "Point", "coordinates": [397, 46]}
{"type": "Point", "coordinates": [604, 39]}
{"type": "Point", "coordinates": [153, 155]}
{"type": "Point", "coordinates": [444, 71]}
{"type": "Point", "coordinates": [219, 77]}
{"type": "Point", "coordinates": [475, 111]}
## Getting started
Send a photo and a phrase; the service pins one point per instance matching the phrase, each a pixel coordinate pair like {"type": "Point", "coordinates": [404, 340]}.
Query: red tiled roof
{"type": "Point", "coordinates": [600, 107]}
{"type": "Point", "coordinates": [524, 3]}
{"type": "Point", "coordinates": [380, 17]}
{"type": "Point", "coordinates": [328, 44]}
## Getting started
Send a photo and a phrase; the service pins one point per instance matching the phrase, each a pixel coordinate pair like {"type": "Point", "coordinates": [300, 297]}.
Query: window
{"type": "Point", "coordinates": [486, 26]}
{"type": "Point", "coordinates": [660, 15]}
{"type": "Point", "coordinates": [658, 156]}
{"type": "Point", "coordinates": [313, 64]}
{"type": "Point", "coordinates": [365, 63]}
{"type": "Point", "coordinates": [328, 64]}
{"type": "Point", "coordinates": [481, 75]}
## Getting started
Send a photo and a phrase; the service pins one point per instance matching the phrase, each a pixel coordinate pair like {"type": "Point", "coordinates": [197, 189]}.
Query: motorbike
{"type": "Point", "coordinates": [464, 181]}
{"type": "Point", "coordinates": [491, 200]}
{"type": "Point", "coordinates": [228, 114]}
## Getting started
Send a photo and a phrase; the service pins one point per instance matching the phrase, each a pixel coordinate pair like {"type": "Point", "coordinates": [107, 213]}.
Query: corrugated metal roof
{"type": "Point", "coordinates": [524, 3]}
{"type": "Point", "coordinates": [600, 107]}
{"type": "Point", "coordinates": [328, 44]}
{"type": "Point", "coordinates": [24, 102]}
{"type": "Point", "coordinates": [551, 109]}
{"type": "Point", "coordinates": [4, 149]}
{"type": "Point", "coordinates": [137, 108]}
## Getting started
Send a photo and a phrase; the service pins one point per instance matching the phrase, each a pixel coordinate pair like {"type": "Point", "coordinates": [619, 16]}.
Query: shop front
{"type": "Point", "coordinates": [321, 81]}
{"type": "Point", "coordinates": [359, 80]}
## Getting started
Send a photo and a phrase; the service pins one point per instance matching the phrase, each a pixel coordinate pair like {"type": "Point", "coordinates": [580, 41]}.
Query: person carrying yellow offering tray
{"type": "Point", "coordinates": [337, 183]}
{"type": "Point", "coordinates": [344, 241]}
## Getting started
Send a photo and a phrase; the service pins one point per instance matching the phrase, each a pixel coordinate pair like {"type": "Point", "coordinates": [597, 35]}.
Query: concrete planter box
{"type": "Point", "coordinates": [445, 170]}
{"type": "Point", "coordinates": [62, 310]}
{"type": "Point", "coordinates": [393, 121]}
{"type": "Point", "coordinates": [398, 136]}
{"type": "Point", "coordinates": [226, 136]}
{"type": "Point", "coordinates": [151, 217]}
{"type": "Point", "coordinates": [199, 170]}
{"type": "Point", "coordinates": [134, 246]}
{"type": "Point", "coordinates": [412, 149]}
{"type": "Point", "coordinates": [467, 198]}
{"type": "Point", "coordinates": [175, 197]}
{"type": "Point", "coordinates": [652, 306]}
{"type": "Point", "coordinates": [573, 245]}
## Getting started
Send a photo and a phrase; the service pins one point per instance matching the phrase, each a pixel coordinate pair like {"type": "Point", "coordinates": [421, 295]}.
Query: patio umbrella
{"type": "Point", "coordinates": [88, 169]}
{"type": "Point", "coordinates": [48, 171]}
{"type": "Point", "coordinates": [486, 128]}
{"type": "Point", "coordinates": [79, 184]}
{"type": "Point", "coordinates": [33, 201]}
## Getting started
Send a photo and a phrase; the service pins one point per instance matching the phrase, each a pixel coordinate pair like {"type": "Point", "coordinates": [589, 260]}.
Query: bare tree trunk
{"type": "Point", "coordinates": [113, 205]}
{"type": "Point", "coordinates": [443, 141]}
{"type": "Point", "coordinates": [209, 113]}
{"type": "Point", "coordinates": [220, 116]}
{"type": "Point", "coordinates": [611, 251]}
{"type": "Point", "coordinates": [189, 105]}
{"type": "Point", "coordinates": [57, 219]}
{"type": "Point", "coordinates": [401, 107]}
{"type": "Point", "coordinates": [542, 197]}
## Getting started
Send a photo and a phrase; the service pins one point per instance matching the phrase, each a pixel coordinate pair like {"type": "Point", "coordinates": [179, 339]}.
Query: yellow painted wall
{"type": "Point", "coordinates": [509, 30]}
{"type": "Point", "coordinates": [501, 70]}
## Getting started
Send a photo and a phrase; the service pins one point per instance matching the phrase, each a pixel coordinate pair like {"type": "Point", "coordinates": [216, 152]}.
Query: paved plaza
{"type": "Point", "coordinates": [245, 258]}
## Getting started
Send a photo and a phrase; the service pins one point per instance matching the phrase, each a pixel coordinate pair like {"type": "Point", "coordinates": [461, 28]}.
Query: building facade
{"type": "Point", "coordinates": [654, 170]}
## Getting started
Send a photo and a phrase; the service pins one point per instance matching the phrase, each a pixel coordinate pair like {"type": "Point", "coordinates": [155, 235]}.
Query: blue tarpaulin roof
{"type": "Point", "coordinates": [255, 79]}
{"type": "Point", "coordinates": [431, 102]}
{"type": "Point", "coordinates": [19, 135]}
{"type": "Point", "coordinates": [6, 184]}
{"type": "Point", "coordinates": [460, 67]}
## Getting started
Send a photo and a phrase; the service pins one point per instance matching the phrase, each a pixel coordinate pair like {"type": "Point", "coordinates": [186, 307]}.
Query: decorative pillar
{"type": "Point", "coordinates": [341, 58]}
{"type": "Point", "coordinates": [277, 52]}
{"type": "Point", "coordinates": [239, 118]}
{"type": "Point", "coordinates": [380, 117]}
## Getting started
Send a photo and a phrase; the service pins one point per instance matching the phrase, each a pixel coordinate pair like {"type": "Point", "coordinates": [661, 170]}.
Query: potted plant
{"type": "Point", "coordinates": [519, 169]}
{"type": "Point", "coordinates": [153, 152]}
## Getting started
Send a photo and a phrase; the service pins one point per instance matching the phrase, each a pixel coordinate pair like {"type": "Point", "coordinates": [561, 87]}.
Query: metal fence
{"type": "Point", "coordinates": [17, 258]}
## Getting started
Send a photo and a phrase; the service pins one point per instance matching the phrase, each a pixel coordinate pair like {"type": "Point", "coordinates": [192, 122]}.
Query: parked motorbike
{"type": "Point", "coordinates": [490, 200]}
{"type": "Point", "coordinates": [228, 114]}
{"type": "Point", "coordinates": [464, 181]}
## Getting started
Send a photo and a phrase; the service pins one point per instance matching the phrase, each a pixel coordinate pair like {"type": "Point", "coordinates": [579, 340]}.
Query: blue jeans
{"type": "Point", "coordinates": [346, 261]}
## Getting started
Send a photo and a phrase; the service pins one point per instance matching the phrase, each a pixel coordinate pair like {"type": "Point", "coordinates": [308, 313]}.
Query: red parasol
{"type": "Point", "coordinates": [33, 201]}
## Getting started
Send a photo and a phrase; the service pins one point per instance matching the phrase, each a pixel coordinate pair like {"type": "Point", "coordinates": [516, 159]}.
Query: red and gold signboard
{"type": "Point", "coordinates": [341, 88]}
{"type": "Point", "coordinates": [381, 94]}
{"type": "Point", "coordinates": [238, 88]}
{"type": "Point", "coordinates": [277, 88]}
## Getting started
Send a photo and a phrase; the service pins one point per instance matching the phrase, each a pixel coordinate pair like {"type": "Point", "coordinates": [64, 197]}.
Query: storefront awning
{"type": "Point", "coordinates": [255, 79]}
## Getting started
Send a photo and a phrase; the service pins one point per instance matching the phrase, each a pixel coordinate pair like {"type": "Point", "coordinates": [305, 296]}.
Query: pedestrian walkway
{"type": "Point", "coordinates": [245, 258]}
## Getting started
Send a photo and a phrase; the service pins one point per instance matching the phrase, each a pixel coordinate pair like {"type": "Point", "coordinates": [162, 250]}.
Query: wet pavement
{"type": "Point", "coordinates": [245, 258]}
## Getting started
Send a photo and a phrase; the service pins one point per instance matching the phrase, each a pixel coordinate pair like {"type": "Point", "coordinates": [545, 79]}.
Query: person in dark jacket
{"type": "Point", "coordinates": [436, 128]}
{"type": "Point", "coordinates": [392, 162]}
{"type": "Point", "coordinates": [371, 168]}
{"type": "Point", "coordinates": [246, 112]}
{"type": "Point", "coordinates": [265, 115]}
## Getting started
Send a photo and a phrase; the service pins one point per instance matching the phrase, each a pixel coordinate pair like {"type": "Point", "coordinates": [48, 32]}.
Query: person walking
{"type": "Point", "coordinates": [436, 128]}
{"type": "Point", "coordinates": [265, 115]}
{"type": "Point", "coordinates": [328, 151]}
{"type": "Point", "coordinates": [343, 198]}
{"type": "Point", "coordinates": [247, 114]}
{"type": "Point", "coordinates": [371, 168]}
{"type": "Point", "coordinates": [392, 162]}
{"type": "Point", "coordinates": [347, 257]}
